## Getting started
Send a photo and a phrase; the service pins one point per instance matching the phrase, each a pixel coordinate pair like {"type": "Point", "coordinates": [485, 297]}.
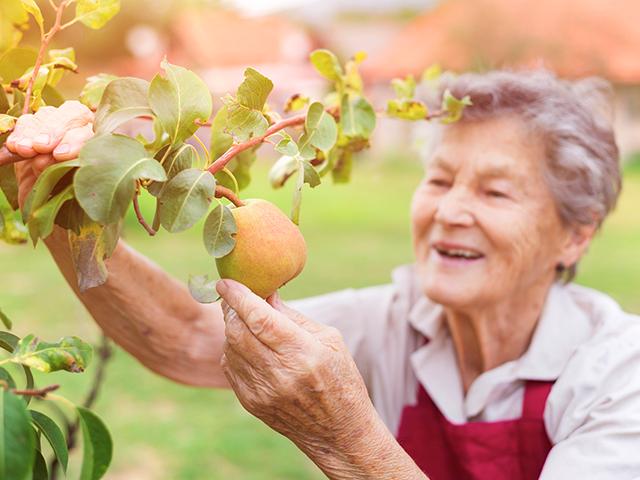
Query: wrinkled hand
{"type": "Point", "coordinates": [295, 375]}
{"type": "Point", "coordinates": [48, 136]}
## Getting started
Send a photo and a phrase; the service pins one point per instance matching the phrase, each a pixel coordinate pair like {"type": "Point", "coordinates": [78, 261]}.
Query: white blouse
{"type": "Point", "coordinates": [583, 340]}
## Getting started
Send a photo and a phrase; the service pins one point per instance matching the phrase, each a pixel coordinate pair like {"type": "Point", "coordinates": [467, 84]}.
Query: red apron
{"type": "Point", "coordinates": [508, 449]}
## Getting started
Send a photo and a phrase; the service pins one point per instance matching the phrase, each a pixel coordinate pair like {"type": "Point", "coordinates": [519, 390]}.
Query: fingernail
{"type": "Point", "coordinates": [62, 149]}
{"type": "Point", "coordinates": [25, 142]}
{"type": "Point", "coordinates": [42, 139]}
{"type": "Point", "coordinates": [222, 287]}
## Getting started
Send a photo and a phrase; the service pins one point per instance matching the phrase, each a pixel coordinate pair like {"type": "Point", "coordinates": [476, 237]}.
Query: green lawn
{"type": "Point", "coordinates": [356, 234]}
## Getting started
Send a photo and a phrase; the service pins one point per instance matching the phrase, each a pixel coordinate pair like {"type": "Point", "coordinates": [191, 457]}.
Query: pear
{"type": "Point", "coordinates": [270, 249]}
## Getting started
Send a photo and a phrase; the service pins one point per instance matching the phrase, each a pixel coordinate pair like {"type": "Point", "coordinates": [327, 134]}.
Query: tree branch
{"type": "Point", "coordinates": [41, 53]}
{"type": "Point", "coordinates": [36, 392]}
{"type": "Point", "coordinates": [141, 220]}
{"type": "Point", "coordinates": [229, 195]}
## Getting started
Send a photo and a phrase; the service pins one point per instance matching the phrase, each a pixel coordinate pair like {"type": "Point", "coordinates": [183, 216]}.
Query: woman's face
{"type": "Point", "coordinates": [485, 227]}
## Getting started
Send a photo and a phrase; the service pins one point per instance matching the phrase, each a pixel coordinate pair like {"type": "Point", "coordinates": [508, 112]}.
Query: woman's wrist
{"type": "Point", "coordinates": [364, 449]}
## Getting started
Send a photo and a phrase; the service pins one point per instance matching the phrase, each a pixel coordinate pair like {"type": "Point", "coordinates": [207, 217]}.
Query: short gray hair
{"type": "Point", "coordinates": [575, 121]}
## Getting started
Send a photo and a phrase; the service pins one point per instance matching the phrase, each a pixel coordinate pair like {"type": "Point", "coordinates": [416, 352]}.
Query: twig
{"type": "Point", "coordinates": [234, 150]}
{"type": "Point", "coordinates": [104, 354]}
{"type": "Point", "coordinates": [229, 195]}
{"type": "Point", "coordinates": [46, 39]}
{"type": "Point", "coordinates": [141, 220]}
{"type": "Point", "coordinates": [36, 392]}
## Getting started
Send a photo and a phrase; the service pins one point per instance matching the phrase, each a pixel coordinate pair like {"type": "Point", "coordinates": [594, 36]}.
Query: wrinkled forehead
{"type": "Point", "coordinates": [497, 146]}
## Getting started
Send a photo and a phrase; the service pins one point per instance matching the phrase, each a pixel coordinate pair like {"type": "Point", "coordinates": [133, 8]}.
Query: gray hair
{"type": "Point", "coordinates": [575, 121]}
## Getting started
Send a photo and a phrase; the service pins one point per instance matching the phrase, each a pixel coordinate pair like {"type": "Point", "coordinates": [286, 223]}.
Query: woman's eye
{"type": "Point", "coordinates": [496, 194]}
{"type": "Point", "coordinates": [438, 182]}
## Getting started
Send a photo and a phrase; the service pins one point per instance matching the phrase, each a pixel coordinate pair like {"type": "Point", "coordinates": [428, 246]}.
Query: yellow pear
{"type": "Point", "coordinates": [270, 249]}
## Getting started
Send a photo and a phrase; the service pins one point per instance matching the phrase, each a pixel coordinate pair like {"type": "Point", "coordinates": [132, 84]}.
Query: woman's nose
{"type": "Point", "coordinates": [454, 208]}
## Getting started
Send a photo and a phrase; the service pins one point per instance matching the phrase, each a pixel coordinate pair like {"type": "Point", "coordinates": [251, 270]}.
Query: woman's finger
{"type": "Point", "coordinates": [240, 339]}
{"type": "Point", "coordinates": [70, 145]}
{"type": "Point", "coordinates": [271, 327]}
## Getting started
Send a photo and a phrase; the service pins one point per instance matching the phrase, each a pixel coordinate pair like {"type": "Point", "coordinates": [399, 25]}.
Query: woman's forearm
{"type": "Point", "coordinates": [151, 315]}
{"type": "Point", "coordinates": [370, 451]}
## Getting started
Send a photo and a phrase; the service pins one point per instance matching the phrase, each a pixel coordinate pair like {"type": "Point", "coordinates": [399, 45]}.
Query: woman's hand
{"type": "Point", "coordinates": [50, 135]}
{"type": "Point", "coordinates": [298, 377]}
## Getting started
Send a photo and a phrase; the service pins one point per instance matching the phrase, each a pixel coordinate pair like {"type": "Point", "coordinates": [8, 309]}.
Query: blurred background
{"type": "Point", "coordinates": [167, 431]}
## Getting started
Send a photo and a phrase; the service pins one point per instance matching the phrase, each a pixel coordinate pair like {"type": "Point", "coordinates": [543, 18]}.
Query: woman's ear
{"type": "Point", "coordinates": [577, 242]}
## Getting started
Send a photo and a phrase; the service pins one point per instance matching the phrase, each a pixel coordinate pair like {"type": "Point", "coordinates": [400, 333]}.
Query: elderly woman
{"type": "Point", "coordinates": [480, 361]}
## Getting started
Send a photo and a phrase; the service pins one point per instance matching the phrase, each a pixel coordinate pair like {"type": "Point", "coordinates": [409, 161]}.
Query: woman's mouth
{"type": "Point", "coordinates": [456, 255]}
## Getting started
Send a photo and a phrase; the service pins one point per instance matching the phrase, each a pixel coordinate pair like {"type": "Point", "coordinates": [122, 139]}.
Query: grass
{"type": "Point", "coordinates": [356, 234]}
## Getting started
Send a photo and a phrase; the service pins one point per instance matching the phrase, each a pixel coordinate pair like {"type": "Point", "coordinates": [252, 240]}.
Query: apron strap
{"type": "Point", "coordinates": [535, 398]}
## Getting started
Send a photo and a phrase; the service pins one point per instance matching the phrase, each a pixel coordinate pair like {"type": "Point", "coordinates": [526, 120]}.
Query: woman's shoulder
{"type": "Point", "coordinates": [602, 377]}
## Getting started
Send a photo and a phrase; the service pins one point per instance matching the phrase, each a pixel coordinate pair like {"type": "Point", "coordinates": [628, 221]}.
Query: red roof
{"type": "Point", "coordinates": [573, 37]}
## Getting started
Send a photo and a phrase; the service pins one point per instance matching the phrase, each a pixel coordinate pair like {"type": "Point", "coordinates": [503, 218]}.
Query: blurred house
{"type": "Point", "coordinates": [575, 38]}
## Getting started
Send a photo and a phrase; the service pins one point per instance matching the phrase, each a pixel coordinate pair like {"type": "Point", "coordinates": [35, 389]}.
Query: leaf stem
{"type": "Point", "coordinates": [36, 392]}
{"type": "Point", "coordinates": [204, 148]}
{"type": "Point", "coordinates": [141, 220]}
{"type": "Point", "coordinates": [46, 39]}
{"type": "Point", "coordinates": [229, 195]}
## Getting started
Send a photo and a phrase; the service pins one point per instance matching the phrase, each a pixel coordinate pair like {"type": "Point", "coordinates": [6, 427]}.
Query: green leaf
{"type": "Point", "coordinates": [96, 13]}
{"type": "Point", "coordinates": [185, 199]}
{"type": "Point", "coordinates": [226, 179]}
{"type": "Point", "coordinates": [71, 216]}
{"type": "Point", "coordinates": [89, 248]}
{"type": "Point", "coordinates": [327, 64]}
{"type": "Point", "coordinates": [6, 377]}
{"type": "Point", "coordinates": [4, 104]}
{"type": "Point", "coordinates": [8, 341]}
{"type": "Point", "coordinates": [453, 106]}
{"type": "Point", "coordinates": [9, 185]}
{"type": "Point", "coordinates": [404, 88]}
{"type": "Point", "coordinates": [44, 185]}
{"type": "Point", "coordinates": [282, 170]}
{"type": "Point", "coordinates": [13, 19]}
{"type": "Point", "coordinates": [407, 109]}
{"type": "Point", "coordinates": [310, 174]}
{"type": "Point", "coordinates": [12, 230]}
{"type": "Point", "coordinates": [320, 128]}
{"type": "Point", "coordinates": [17, 441]}
{"type": "Point", "coordinates": [61, 57]}
{"type": "Point", "coordinates": [31, 7]}
{"type": "Point", "coordinates": [105, 182]}
{"type": "Point", "coordinates": [51, 96]}
{"type": "Point", "coordinates": [15, 62]}
{"type": "Point", "coordinates": [240, 167]}
{"type": "Point", "coordinates": [70, 354]}
{"type": "Point", "coordinates": [97, 445]}
{"type": "Point", "coordinates": [295, 103]}
{"type": "Point", "coordinates": [39, 467]}
{"type": "Point", "coordinates": [287, 146]}
{"type": "Point", "coordinates": [432, 73]}
{"type": "Point", "coordinates": [341, 172]}
{"type": "Point", "coordinates": [357, 117]}
{"type": "Point", "coordinates": [42, 220]}
{"type": "Point", "coordinates": [221, 141]}
{"type": "Point", "coordinates": [94, 89]}
{"type": "Point", "coordinates": [245, 118]}
{"type": "Point", "coordinates": [203, 289]}
{"type": "Point", "coordinates": [7, 122]}
{"type": "Point", "coordinates": [179, 100]}
{"type": "Point", "coordinates": [54, 436]}
{"type": "Point", "coordinates": [122, 100]}
{"type": "Point", "coordinates": [5, 320]}
{"type": "Point", "coordinates": [178, 160]}
{"type": "Point", "coordinates": [219, 231]}
{"type": "Point", "coordinates": [352, 78]}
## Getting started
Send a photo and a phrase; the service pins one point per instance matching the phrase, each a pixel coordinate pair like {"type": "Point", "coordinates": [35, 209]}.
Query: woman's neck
{"type": "Point", "coordinates": [487, 337]}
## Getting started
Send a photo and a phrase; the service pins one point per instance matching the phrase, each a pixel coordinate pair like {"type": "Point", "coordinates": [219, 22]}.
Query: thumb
{"type": "Point", "coordinates": [276, 302]}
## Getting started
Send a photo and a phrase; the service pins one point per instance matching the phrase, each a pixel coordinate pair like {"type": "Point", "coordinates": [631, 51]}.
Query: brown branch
{"type": "Point", "coordinates": [229, 195]}
{"type": "Point", "coordinates": [143, 222]}
{"type": "Point", "coordinates": [234, 150]}
{"type": "Point", "coordinates": [41, 53]}
{"type": "Point", "coordinates": [36, 392]}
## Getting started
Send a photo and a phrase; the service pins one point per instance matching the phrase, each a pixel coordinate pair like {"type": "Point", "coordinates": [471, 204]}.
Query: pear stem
{"type": "Point", "coordinates": [229, 195]}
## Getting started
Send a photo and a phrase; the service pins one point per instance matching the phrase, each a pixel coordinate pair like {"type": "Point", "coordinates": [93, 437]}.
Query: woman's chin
{"type": "Point", "coordinates": [453, 291]}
